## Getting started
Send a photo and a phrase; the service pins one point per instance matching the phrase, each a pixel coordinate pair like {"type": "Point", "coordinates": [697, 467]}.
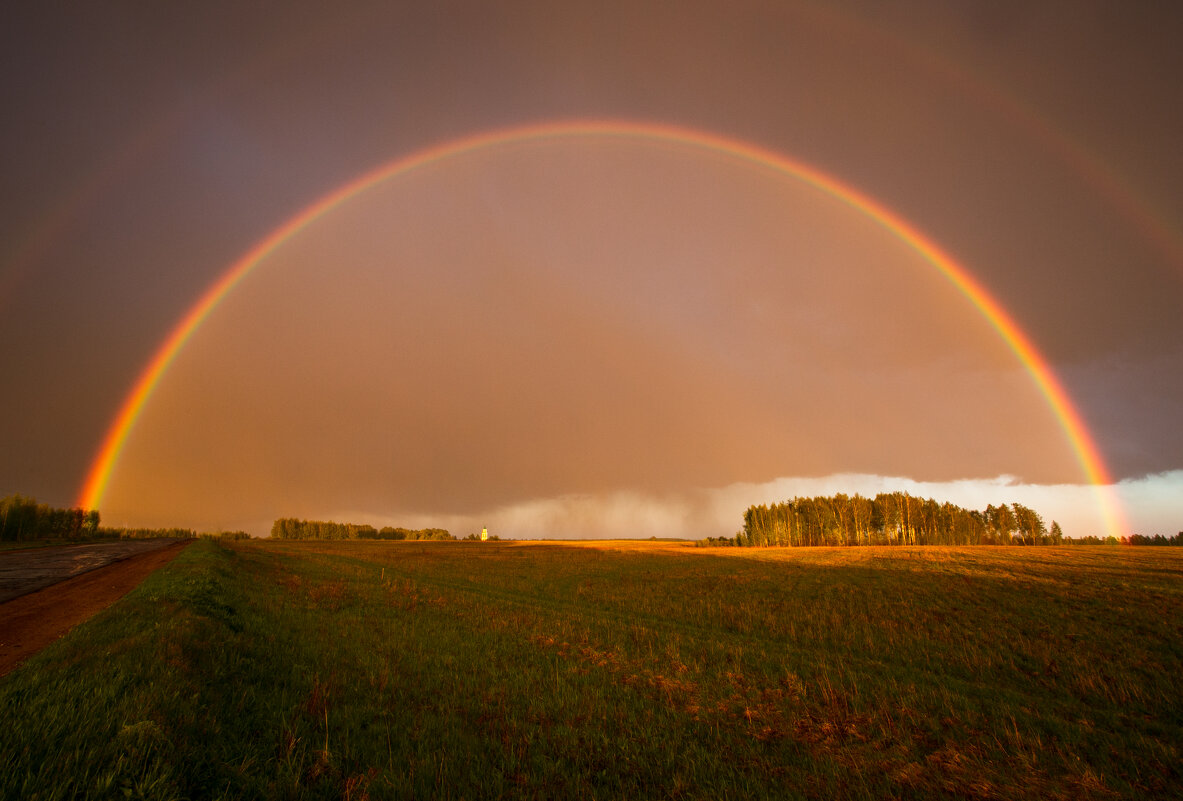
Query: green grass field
{"type": "Point", "coordinates": [647, 670]}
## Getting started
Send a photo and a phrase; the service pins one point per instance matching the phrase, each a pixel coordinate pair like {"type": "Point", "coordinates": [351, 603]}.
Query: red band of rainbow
{"type": "Point", "coordinates": [1078, 436]}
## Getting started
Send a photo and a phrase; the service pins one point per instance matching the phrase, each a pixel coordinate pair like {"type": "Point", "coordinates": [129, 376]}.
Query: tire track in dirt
{"type": "Point", "coordinates": [31, 622]}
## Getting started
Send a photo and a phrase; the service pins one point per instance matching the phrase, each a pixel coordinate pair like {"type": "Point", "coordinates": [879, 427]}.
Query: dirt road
{"type": "Point", "coordinates": [35, 619]}
{"type": "Point", "coordinates": [35, 568]}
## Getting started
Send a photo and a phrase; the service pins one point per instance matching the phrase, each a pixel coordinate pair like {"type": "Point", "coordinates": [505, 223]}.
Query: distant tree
{"type": "Point", "coordinates": [890, 515]}
{"type": "Point", "coordinates": [1001, 521]}
{"type": "Point", "coordinates": [1056, 536]}
{"type": "Point", "coordinates": [1029, 525]}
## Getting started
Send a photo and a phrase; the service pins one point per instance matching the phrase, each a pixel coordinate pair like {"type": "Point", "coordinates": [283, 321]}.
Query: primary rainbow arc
{"type": "Point", "coordinates": [1079, 438]}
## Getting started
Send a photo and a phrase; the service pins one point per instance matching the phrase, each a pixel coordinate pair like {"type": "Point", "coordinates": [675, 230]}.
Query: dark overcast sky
{"type": "Point", "coordinates": [145, 147]}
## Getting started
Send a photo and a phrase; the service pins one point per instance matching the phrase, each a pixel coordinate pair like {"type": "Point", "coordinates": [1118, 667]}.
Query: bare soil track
{"type": "Point", "coordinates": [26, 570]}
{"type": "Point", "coordinates": [34, 620]}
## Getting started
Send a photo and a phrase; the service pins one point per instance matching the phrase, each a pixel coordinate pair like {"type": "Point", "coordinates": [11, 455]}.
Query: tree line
{"type": "Point", "coordinates": [894, 518]}
{"type": "Point", "coordinates": [898, 518]}
{"type": "Point", "coordinates": [1133, 539]}
{"type": "Point", "coordinates": [23, 518]}
{"type": "Point", "coordinates": [150, 533]}
{"type": "Point", "coordinates": [290, 528]}
{"type": "Point", "coordinates": [225, 536]}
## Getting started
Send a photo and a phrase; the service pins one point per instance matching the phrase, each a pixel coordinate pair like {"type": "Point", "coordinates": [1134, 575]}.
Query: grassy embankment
{"type": "Point", "coordinates": [484, 670]}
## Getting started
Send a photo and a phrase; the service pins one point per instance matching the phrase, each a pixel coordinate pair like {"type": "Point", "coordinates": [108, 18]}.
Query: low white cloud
{"type": "Point", "coordinates": [1152, 505]}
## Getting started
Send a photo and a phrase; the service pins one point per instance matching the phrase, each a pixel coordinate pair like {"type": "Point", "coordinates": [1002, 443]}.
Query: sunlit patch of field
{"type": "Point", "coordinates": [615, 669]}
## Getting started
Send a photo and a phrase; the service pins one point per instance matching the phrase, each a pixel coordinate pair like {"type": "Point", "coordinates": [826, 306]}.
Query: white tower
{"type": "Point", "coordinates": [484, 534]}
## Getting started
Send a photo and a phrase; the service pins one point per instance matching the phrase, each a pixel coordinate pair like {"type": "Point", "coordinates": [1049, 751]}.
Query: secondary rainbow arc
{"type": "Point", "coordinates": [1070, 420]}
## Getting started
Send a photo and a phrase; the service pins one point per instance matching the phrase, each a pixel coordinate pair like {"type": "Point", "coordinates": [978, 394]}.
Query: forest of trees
{"type": "Point", "coordinates": [898, 518]}
{"type": "Point", "coordinates": [895, 518]}
{"type": "Point", "coordinates": [23, 518]}
{"type": "Point", "coordinates": [289, 528]}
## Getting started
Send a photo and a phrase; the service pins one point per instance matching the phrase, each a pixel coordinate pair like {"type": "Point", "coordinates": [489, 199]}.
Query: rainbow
{"type": "Point", "coordinates": [99, 475]}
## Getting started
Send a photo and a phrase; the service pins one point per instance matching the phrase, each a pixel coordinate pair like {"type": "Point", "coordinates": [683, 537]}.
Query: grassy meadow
{"type": "Point", "coordinates": [265, 669]}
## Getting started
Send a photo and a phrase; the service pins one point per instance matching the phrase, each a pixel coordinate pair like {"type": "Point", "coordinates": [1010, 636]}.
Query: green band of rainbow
{"type": "Point", "coordinates": [1078, 436]}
